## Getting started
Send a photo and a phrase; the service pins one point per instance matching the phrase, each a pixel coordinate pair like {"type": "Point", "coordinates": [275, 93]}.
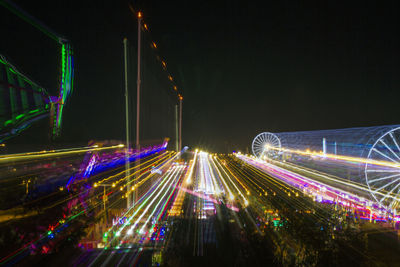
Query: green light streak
{"type": "Point", "coordinates": [20, 116]}
{"type": "Point", "coordinates": [66, 84]}
{"type": "Point", "coordinates": [13, 71]}
{"type": "Point", "coordinates": [25, 115]}
{"type": "Point", "coordinates": [34, 111]}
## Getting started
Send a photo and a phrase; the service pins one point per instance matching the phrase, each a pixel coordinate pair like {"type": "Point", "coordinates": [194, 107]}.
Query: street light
{"type": "Point", "coordinates": [104, 192]}
{"type": "Point", "coordinates": [26, 184]}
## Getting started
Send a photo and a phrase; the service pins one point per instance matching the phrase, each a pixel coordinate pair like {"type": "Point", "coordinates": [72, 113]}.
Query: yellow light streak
{"type": "Point", "coordinates": [230, 194]}
{"type": "Point", "coordinates": [237, 189]}
{"type": "Point", "coordinates": [189, 178]}
{"type": "Point", "coordinates": [159, 157]}
{"type": "Point", "coordinates": [52, 153]}
{"type": "Point", "coordinates": [307, 152]}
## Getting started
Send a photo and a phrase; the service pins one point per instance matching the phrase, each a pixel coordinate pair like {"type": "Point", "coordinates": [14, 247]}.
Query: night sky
{"type": "Point", "coordinates": [243, 66]}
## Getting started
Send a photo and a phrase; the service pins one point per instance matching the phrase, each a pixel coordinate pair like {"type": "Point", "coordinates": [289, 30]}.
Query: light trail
{"type": "Point", "coordinates": [245, 201]}
{"type": "Point", "coordinates": [159, 188]}
{"type": "Point", "coordinates": [316, 188]}
{"type": "Point", "coordinates": [279, 189]}
{"type": "Point", "coordinates": [153, 161]}
{"type": "Point", "coordinates": [291, 178]}
{"type": "Point", "coordinates": [207, 175]}
{"type": "Point", "coordinates": [143, 200]}
{"type": "Point", "coordinates": [169, 182]}
{"type": "Point", "coordinates": [230, 194]}
{"type": "Point", "coordinates": [204, 177]}
{"type": "Point", "coordinates": [214, 179]}
{"type": "Point", "coordinates": [65, 221]}
{"type": "Point", "coordinates": [336, 180]}
{"type": "Point", "coordinates": [178, 202]}
{"type": "Point", "coordinates": [53, 153]}
{"type": "Point", "coordinates": [189, 178]}
{"type": "Point", "coordinates": [173, 186]}
{"type": "Point", "coordinates": [393, 164]}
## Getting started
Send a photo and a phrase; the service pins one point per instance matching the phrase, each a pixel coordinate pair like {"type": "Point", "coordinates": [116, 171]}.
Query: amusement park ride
{"type": "Point", "coordinates": [23, 100]}
{"type": "Point", "coordinates": [369, 156]}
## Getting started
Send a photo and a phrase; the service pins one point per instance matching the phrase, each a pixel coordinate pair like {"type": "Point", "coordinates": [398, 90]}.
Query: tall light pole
{"type": "Point", "coordinates": [137, 161]}
{"type": "Point", "coordinates": [180, 122]}
{"type": "Point", "coordinates": [127, 166]}
{"type": "Point", "coordinates": [176, 129]}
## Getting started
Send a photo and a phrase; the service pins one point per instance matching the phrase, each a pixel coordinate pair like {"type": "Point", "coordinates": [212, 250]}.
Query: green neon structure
{"type": "Point", "coordinates": [21, 100]}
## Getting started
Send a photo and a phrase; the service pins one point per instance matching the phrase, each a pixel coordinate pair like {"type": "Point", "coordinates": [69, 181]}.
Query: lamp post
{"type": "Point", "coordinates": [180, 122]}
{"type": "Point", "coordinates": [137, 161]}
{"type": "Point", "coordinates": [26, 184]}
{"type": "Point", "coordinates": [104, 194]}
{"type": "Point", "coordinates": [127, 166]}
{"type": "Point", "coordinates": [176, 130]}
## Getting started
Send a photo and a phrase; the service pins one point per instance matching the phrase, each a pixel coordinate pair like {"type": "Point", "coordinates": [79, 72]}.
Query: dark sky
{"type": "Point", "coordinates": [244, 66]}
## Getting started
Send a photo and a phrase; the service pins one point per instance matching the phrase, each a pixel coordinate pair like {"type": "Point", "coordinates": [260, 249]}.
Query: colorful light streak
{"type": "Point", "coordinates": [171, 178]}
{"type": "Point", "coordinates": [178, 202]}
{"type": "Point", "coordinates": [42, 238]}
{"type": "Point", "coordinates": [334, 179]}
{"type": "Point", "coordinates": [143, 200]}
{"type": "Point", "coordinates": [245, 201]}
{"type": "Point", "coordinates": [153, 161]}
{"type": "Point", "coordinates": [231, 197]}
{"type": "Point", "coordinates": [191, 167]}
{"type": "Point", "coordinates": [61, 224]}
{"type": "Point", "coordinates": [121, 161]}
{"type": "Point", "coordinates": [316, 188]}
{"type": "Point", "coordinates": [152, 195]}
{"type": "Point", "coordinates": [164, 199]}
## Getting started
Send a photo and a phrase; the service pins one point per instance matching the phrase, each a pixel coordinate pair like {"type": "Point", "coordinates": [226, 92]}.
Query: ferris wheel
{"type": "Point", "coordinates": [383, 180]}
{"type": "Point", "coordinates": [266, 144]}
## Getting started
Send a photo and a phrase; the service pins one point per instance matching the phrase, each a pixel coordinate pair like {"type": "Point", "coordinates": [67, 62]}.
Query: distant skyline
{"type": "Point", "coordinates": [244, 67]}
